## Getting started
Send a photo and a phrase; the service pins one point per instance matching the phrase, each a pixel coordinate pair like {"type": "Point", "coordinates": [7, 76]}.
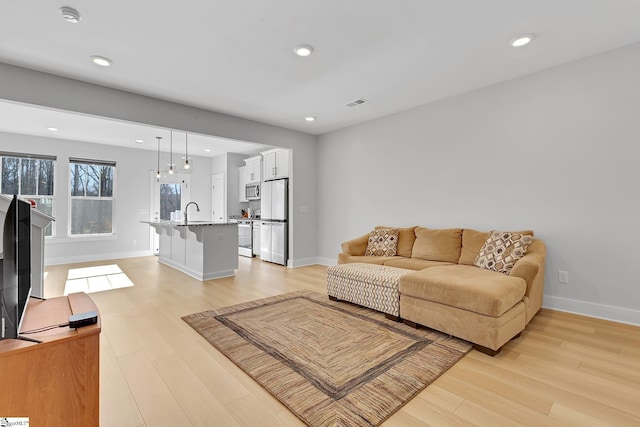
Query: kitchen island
{"type": "Point", "coordinates": [201, 249]}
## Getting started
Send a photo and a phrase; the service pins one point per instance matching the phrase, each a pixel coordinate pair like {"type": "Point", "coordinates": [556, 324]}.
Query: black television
{"type": "Point", "coordinates": [16, 266]}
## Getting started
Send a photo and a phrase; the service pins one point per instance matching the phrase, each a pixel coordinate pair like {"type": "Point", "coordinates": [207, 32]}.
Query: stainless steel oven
{"type": "Point", "coordinates": [245, 237]}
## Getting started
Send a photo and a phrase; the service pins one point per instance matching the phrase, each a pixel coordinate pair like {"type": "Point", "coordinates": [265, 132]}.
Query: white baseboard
{"type": "Point", "coordinates": [326, 261]}
{"type": "Point", "coordinates": [310, 261]}
{"type": "Point", "coordinates": [600, 311]}
{"type": "Point", "coordinates": [94, 257]}
{"type": "Point", "coordinates": [302, 262]}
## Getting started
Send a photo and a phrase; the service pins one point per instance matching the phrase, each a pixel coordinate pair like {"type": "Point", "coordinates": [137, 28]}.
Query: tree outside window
{"type": "Point", "coordinates": [30, 177]}
{"type": "Point", "coordinates": [170, 199]}
{"type": "Point", "coordinates": [92, 198]}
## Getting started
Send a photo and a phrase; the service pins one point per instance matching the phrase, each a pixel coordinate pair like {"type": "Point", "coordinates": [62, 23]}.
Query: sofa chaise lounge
{"type": "Point", "coordinates": [446, 290]}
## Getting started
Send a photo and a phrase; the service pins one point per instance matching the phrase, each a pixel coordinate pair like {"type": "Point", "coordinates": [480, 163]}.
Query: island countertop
{"type": "Point", "coordinates": [189, 223]}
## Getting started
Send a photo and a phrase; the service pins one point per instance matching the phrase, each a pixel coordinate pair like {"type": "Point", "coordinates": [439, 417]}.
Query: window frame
{"type": "Point", "coordinates": [37, 197]}
{"type": "Point", "coordinates": [92, 162]}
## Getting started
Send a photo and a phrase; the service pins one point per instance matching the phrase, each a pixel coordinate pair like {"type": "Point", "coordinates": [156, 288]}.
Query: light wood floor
{"type": "Point", "coordinates": [156, 371]}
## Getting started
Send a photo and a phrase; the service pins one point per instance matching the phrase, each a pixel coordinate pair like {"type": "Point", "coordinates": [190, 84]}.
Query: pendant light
{"type": "Point", "coordinates": [171, 159]}
{"type": "Point", "coordinates": [186, 151]}
{"type": "Point", "coordinates": [158, 170]}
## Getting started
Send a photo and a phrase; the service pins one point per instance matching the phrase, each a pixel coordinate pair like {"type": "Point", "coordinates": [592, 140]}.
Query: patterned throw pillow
{"type": "Point", "coordinates": [383, 242]}
{"type": "Point", "coordinates": [501, 251]}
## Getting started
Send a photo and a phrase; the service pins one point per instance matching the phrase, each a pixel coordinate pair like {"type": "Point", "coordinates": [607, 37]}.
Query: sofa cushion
{"type": "Point", "coordinates": [470, 288]}
{"type": "Point", "coordinates": [414, 263]}
{"type": "Point", "coordinates": [501, 251]}
{"type": "Point", "coordinates": [380, 260]}
{"type": "Point", "coordinates": [406, 238]}
{"type": "Point", "coordinates": [472, 242]}
{"type": "Point", "coordinates": [437, 244]}
{"type": "Point", "coordinates": [382, 242]}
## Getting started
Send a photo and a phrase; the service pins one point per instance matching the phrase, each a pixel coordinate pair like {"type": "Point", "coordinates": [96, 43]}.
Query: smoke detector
{"type": "Point", "coordinates": [69, 14]}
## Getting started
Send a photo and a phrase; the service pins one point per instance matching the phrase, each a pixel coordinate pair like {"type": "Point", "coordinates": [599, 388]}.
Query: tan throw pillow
{"type": "Point", "coordinates": [382, 242]}
{"type": "Point", "coordinates": [502, 249]}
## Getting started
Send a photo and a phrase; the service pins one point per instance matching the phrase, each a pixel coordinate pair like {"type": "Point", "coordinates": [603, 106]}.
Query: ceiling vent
{"type": "Point", "coordinates": [357, 102]}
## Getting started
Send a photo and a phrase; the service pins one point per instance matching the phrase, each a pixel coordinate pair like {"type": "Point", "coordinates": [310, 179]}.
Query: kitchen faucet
{"type": "Point", "coordinates": [186, 208]}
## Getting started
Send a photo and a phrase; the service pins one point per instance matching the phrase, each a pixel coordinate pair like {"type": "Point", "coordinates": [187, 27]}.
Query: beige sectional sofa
{"type": "Point", "coordinates": [447, 292]}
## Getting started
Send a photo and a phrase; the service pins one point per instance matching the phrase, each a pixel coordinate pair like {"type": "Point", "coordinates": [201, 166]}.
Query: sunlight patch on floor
{"type": "Point", "coordinates": [96, 279]}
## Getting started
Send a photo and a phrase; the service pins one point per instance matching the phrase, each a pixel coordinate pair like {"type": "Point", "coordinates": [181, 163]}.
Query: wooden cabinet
{"type": "Point", "coordinates": [254, 169]}
{"type": "Point", "coordinates": [242, 182]}
{"type": "Point", "coordinates": [276, 164]}
{"type": "Point", "coordinates": [54, 382]}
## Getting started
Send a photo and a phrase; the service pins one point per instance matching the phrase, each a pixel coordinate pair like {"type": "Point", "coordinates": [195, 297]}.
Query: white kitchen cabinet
{"type": "Point", "coordinates": [254, 169]}
{"type": "Point", "coordinates": [276, 164]}
{"type": "Point", "coordinates": [242, 183]}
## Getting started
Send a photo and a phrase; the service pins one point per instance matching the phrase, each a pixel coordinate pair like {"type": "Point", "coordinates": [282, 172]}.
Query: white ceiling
{"type": "Point", "coordinates": [236, 57]}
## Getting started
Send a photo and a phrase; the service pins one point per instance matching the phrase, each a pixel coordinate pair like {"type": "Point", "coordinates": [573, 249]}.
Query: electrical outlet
{"type": "Point", "coordinates": [563, 276]}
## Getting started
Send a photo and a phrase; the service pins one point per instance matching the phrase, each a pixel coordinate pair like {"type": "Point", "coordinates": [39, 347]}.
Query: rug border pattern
{"type": "Point", "coordinates": [367, 403]}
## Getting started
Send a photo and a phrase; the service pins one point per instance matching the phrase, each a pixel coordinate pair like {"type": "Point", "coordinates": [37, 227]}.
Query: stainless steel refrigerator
{"type": "Point", "coordinates": [274, 228]}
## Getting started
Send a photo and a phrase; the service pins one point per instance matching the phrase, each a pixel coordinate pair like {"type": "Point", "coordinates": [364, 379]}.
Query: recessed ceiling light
{"type": "Point", "coordinates": [522, 40]}
{"type": "Point", "coordinates": [69, 14]}
{"type": "Point", "coordinates": [139, 141]}
{"type": "Point", "coordinates": [303, 50]}
{"type": "Point", "coordinates": [101, 61]}
{"type": "Point", "coordinates": [52, 129]}
{"type": "Point", "coordinates": [309, 118]}
{"type": "Point", "coordinates": [208, 150]}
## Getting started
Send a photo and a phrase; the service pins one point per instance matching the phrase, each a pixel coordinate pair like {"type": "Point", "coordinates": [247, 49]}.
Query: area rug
{"type": "Point", "coordinates": [331, 363]}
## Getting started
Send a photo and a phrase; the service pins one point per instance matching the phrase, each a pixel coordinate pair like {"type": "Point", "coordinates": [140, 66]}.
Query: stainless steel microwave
{"type": "Point", "coordinates": [252, 191]}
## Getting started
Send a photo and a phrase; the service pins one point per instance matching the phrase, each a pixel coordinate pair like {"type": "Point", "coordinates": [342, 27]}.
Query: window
{"type": "Point", "coordinates": [170, 199]}
{"type": "Point", "coordinates": [31, 177]}
{"type": "Point", "coordinates": [91, 191]}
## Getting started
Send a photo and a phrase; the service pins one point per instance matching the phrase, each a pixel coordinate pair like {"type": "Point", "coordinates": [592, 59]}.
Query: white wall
{"type": "Point", "coordinates": [132, 187]}
{"type": "Point", "coordinates": [33, 87]}
{"type": "Point", "coordinates": [556, 151]}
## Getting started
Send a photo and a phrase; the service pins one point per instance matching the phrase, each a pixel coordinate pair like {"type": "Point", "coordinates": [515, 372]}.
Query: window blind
{"type": "Point", "coordinates": [28, 156]}
{"type": "Point", "coordinates": [92, 162]}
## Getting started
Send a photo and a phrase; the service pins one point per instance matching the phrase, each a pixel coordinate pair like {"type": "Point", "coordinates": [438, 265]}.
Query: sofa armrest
{"type": "Point", "coordinates": [357, 246]}
{"type": "Point", "coordinates": [531, 268]}
{"type": "Point", "coordinates": [526, 268]}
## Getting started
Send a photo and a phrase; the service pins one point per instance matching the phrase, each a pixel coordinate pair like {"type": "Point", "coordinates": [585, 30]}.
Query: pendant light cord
{"type": "Point", "coordinates": [186, 151]}
{"type": "Point", "coordinates": [171, 159]}
{"type": "Point", "coordinates": [158, 170]}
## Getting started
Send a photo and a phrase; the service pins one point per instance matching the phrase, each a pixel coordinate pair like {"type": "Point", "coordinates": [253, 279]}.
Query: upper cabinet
{"type": "Point", "coordinates": [242, 183]}
{"type": "Point", "coordinates": [253, 169]}
{"type": "Point", "coordinates": [276, 164]}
